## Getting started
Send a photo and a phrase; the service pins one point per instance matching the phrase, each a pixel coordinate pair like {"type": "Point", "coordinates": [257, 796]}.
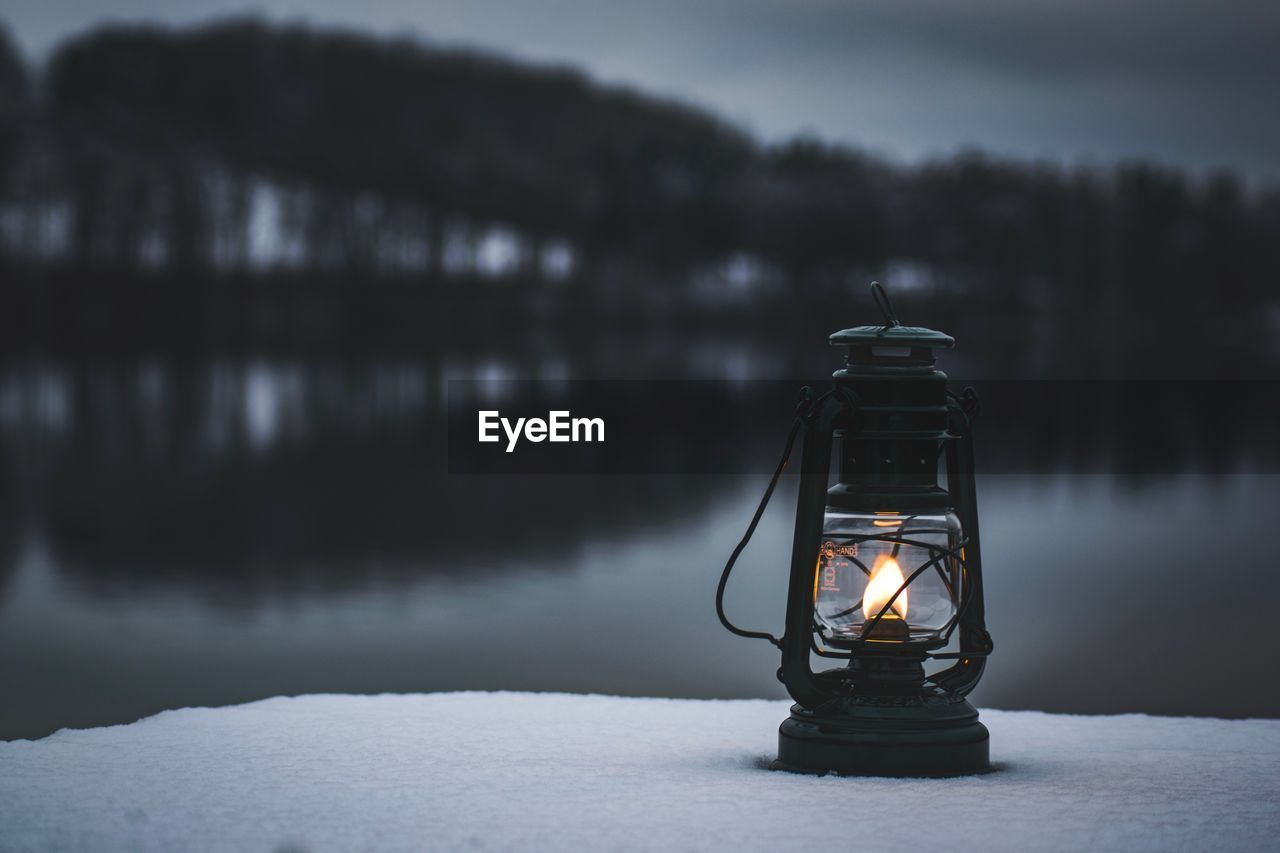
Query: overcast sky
{"type": "Point", "coordinates": [1184, 81]}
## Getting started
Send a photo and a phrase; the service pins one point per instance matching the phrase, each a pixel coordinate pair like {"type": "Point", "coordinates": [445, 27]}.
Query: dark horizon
{"type": "Point", "coordinates": [1179, 84]}
{"type": "Point", "coordinates": [322, 160]}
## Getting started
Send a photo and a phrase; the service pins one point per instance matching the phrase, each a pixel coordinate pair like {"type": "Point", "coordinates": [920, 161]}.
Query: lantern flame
{"type": "Point", "coordinates": [886, 577]}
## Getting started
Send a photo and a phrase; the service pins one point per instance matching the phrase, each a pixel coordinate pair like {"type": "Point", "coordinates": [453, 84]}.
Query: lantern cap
{"type": "Point", "coordinates": [892, 336]}
{"type": "Point", "coordinates": [891, 349]}
{"type": "Point", "coordinates": [892, 333]}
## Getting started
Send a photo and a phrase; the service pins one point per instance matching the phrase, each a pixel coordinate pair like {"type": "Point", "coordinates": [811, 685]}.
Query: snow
{"type": "Point", "coordinates": [496, 771]}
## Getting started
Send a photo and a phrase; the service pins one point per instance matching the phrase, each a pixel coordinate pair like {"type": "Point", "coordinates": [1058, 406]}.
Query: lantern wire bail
{"type": "Point", "coordinates": [802, 409]}
{"type": "Point", "coordinates": [881, 297]}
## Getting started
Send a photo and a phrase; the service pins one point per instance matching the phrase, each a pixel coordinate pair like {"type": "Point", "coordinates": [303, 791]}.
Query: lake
{"type": "Point", "coordinates": [216, 531]}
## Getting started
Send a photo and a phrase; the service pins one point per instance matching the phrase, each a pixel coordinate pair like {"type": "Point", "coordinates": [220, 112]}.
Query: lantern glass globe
{"type": "Point", "coordinates": [866, 557]}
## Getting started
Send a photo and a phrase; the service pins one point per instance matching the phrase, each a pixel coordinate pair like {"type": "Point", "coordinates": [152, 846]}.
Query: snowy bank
{"type": "Point", "coordinates": [559, 772]}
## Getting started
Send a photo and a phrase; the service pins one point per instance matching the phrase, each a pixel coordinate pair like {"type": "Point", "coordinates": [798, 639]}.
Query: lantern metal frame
{"type": "Point", "coordinates": [882, 714]}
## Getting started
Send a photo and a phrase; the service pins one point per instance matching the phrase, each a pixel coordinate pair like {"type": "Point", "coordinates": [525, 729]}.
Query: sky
{"type": "Point", "coordinates": [1186, 82]}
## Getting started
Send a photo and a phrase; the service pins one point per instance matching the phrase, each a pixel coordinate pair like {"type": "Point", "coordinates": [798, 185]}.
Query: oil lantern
{"type": "Point", "coordinates": [886, 566]}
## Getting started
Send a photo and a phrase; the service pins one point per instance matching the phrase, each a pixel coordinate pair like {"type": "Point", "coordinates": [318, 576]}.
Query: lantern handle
{"type": "Point", "coordinates": [881, 297]}
{"type": "Point", "coordinates": [803, 409]}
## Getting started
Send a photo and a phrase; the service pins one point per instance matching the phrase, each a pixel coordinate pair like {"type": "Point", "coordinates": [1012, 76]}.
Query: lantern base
{"type": "Point", "coordinates": [874, 737]}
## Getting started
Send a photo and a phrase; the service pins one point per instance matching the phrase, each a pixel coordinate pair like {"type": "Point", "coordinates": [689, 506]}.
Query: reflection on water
{"type": "Point", "coordinates": [210, 532]}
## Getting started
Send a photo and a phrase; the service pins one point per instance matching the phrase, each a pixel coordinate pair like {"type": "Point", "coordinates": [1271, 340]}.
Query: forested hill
{"type": "Point", "coordinates": [140, 115]}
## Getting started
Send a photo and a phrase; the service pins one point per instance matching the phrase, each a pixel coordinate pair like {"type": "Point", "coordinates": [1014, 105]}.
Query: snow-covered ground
{"type": "Point", "coordinates": [462, 771]}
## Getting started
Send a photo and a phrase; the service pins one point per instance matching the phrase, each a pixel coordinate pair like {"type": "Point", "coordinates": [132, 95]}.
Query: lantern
{"type": "Point", "coordinates": [886, 567]}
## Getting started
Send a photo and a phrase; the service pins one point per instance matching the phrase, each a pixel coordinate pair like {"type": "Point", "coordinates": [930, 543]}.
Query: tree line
{"type": "Point", "coordinates": [159, 149]}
